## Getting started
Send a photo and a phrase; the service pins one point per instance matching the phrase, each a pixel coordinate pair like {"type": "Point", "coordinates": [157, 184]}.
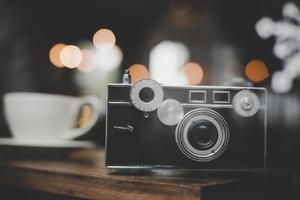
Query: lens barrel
{"type": "Point", "coordinates": [202, 135]}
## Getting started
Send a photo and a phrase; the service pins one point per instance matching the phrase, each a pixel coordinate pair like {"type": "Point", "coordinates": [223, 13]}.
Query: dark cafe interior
{"type": "Point", "coordinates": [149, 99]}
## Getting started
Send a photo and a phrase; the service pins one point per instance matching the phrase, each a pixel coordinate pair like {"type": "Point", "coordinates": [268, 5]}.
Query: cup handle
{"type": "Point", "coordinates": [94, 102]}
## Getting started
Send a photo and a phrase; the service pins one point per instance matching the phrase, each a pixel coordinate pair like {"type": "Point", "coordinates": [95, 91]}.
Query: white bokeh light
{"type": "Point", "coordinates": [286, 47]}
{"type": "Point", "coordinates": [104, 39]}
{"type": "Point", "coordinates": [109, 60]}
{"type": "Point", "coordinates": [281, 82]}
{"type": "Point", "coordinates": [166, 59]}
{"type": "Point", "coordinates": [70, 56]}
{"type": "Point", "coordinates": [264, 27]}
{"type": "Point", "coordinates": [291, 10]}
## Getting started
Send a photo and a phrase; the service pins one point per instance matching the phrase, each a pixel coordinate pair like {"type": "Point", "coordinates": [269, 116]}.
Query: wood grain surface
{"type": "Point", "coordinates": [82, 174]}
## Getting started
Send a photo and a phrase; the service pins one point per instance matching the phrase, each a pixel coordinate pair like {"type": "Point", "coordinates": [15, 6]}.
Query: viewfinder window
{"type": "Point", "coordinates": [221, 97]}
{"type": "Point", "coordinates": [197, 96]}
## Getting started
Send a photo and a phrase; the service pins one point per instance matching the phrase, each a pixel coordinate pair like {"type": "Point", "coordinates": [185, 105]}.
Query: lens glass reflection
{"type": "Point", "coordinates": [202, 135]}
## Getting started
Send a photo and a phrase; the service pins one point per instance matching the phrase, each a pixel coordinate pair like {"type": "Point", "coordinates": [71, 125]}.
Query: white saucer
{"type": "Point", "coordinates": [46, 143]}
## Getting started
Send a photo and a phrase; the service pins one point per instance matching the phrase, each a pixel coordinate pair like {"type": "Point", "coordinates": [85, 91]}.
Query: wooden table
{"type": "Point", "coordinates": [82, 174]}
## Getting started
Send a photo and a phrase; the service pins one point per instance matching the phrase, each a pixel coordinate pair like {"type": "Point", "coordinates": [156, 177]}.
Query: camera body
{"type": "Point", "coordinates": [152, 126]}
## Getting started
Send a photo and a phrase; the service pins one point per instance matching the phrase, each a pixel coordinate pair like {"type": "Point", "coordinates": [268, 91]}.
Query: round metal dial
{"type": "Point", "coordinates": [170, 112]}
{"type": "Point", "coordinates": [246, 103]}
{"type": "Point", "coordinates": [146, 95]}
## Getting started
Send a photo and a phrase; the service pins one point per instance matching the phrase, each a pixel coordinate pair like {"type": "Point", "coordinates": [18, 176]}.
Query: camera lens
{"type": "Point", "coordinates": [146, 94]}
{"type": "Point", "coordinates": [202, 134]}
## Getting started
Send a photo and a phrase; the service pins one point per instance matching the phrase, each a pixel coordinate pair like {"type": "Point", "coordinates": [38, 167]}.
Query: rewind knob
{"type": "Point", "coordinates": [246, 103]}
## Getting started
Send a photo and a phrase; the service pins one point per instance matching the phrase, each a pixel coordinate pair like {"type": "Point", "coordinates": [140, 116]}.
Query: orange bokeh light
{"type": "Point", "coordinates": [257, 71]}
{"type": "Point", "coordinates": [104, 39]}
{"type": "Point", "coordinates": [138, 72]}
{"type": "Point", "coordinates": [54, 54]}
{"type": "Point", "coordinates": [70, 56]}
{"type": "Point", "coordinates": [88, 62]}
{"type": "Point", "coordinates": [193, 73]}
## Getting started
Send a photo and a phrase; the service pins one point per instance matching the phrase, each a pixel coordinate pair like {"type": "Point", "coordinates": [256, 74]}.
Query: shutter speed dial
{"type": "Point", "coordinates": [146, 95]}
{"type": "Point", "coordinates": [246, 103]}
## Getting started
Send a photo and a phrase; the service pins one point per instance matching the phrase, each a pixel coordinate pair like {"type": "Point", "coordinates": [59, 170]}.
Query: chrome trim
{"type": "Point", "coordinates": [197, 87]}
{"type": "Point", "coordinates": [265, 128]}
{"type": "Point", "coordinates": [126, 103]}
{"type": "Point", "coordinates": [171, 167]}
{"type": "Point", "coordinates": [106, 125]}
{"type": "Point", "coordinates": [119, 85]}
{"type": "Point", "coordinates": [119, 103]}
{"type": "Point", "coordinates": [206, 105]}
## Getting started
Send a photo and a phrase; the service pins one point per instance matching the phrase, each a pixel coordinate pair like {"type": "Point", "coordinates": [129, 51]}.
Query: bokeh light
{"type": "Point", "coordinates": [104, 39]}
{"type": "Point", "coordinates": [193, 73]}
{"type": "Point", "coordinates": [282, 82]}
{"type": "Point", "coordinates": [70, 56]}
{"type": "Point", "coordinates": [88, 62]}
{"type": "Point", "coordinates": [166, 60]}
{"type": "Point", "coordinates": [265, 27]}
{"type": "Point", "coordinates": [138, 72]}
{"type": "Point", "coordinates": [54, 54]}
{"type": "Point", "coordinates": [257, 71]}
{"type": "Point", "coordinates": [109, 60]}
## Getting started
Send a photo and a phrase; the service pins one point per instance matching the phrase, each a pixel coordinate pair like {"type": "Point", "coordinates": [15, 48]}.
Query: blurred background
{"type": "Point", "coordinates": [77, 47]}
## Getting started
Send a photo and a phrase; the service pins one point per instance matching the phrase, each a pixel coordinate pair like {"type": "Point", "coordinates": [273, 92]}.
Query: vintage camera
{"type": "Point", "coordinates": [152, 126]}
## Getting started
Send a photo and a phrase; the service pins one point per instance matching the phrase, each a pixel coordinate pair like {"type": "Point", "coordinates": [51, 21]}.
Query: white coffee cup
{"type": "Point", "coordinates": [36, 116]}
